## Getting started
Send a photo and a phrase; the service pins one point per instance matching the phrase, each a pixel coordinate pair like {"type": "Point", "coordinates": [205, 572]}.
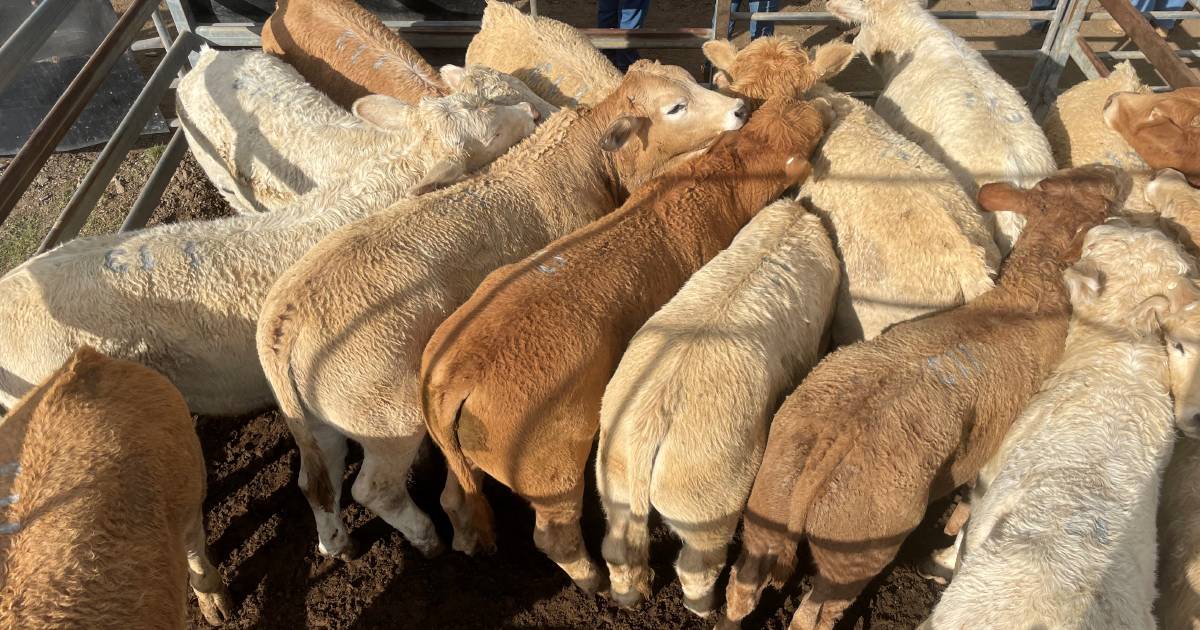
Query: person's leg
{"type": "Point", "coordinates": [762, 29]}
{"type": "Point", "coordinates": [629, 14]}
{"type": "Point", "coordinates": [608, 13]}
{"type": "Point", "coordinates": [1169, 5]}
{"type": "Point", "coordinates": [1041, 5]}
{"type": "Point", "coordinates": [734, 5]}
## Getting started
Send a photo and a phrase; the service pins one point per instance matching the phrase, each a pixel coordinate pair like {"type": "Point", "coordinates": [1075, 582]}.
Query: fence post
{"type": "Point", "coordinates": [1043, 84]}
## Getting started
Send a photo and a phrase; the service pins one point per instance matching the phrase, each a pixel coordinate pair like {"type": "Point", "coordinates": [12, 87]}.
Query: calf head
{"type": "Point", "coordinates": [773, 66]}
{"type": "Point", "coordinates": [659, 113]}
{"type": "Point", "coordinates": [1163, 128]}
{"type": "Point", "coordinates": [885, 26]}
{"type": "Point", "coordinates": [772, 151]}
{"type": "Point", "coordinates": [494, 86]}
{"type": "Point", "coordinates": [471, 131]}
{"type": "Point", "coordinates": [1060, 209]}
{"type": "Point", "coordinates": [1179, 318]}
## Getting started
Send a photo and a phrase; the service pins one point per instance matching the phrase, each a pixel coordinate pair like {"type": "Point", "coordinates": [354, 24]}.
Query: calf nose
{"type": "Point", "coordinates": [740, 111]}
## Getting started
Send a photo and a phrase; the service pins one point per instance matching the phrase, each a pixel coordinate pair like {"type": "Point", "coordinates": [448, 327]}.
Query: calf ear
{"type": "Point", "coordinates": [1002, 197]}
{"type": "Point", "coordinates": [1085, 282]}
{"type": "Point", "coordinates": [1149, 315]}
{"type": "Point", "coordinates": [620, 131]}
{"type": "Point", "coordinates": [830, 59]}
{"type": "Point", "coordinates": [453, 76]}
{"type": "Point", "coordinates": [721, 80]}
{"type": "Point", "coordinates": [720, 52]}
{"type": "Point", "coordinates": [445, 172]}
{"type": "Point", "coordinates": [382, 111]}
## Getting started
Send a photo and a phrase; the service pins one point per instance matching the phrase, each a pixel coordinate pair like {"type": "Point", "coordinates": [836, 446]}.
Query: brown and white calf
{"type": "Point", "coordinates": [1163, 128]}
{"type": "Point", "coordinates": [512, 381]}
{"type": "Point", "coordinates": [341, 334]}
{"type": "Point", "coordinates": [346, 52]}
{"type": "Point", "coordinates": [881, 428]}
{"type": "Point", "coordinates": [101, 520]}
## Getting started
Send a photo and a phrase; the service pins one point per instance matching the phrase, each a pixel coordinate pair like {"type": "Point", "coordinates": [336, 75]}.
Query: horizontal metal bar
{"type": "Point", "coordinates": [825, 16]}
{"type": "Point", "coordinates": [1158, 52]}
{"type": "Point", "coordinates": [72, 218]}
{"type": "Point", "coordinates": [1104, 16]}
{"type": "Point", "coordinates": [1122, 55]}
{"type": "Point", "coordinates": [21, 46]}
{"type": "Point", "coordinates": [147, 201]}
{"type": "Point", "coordinates": [66, 110]}
{"type": "Point", "coordinates": [454, 35]}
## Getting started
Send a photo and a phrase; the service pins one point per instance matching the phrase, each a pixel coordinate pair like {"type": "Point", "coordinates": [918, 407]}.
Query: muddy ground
{"type": "Point", "coordinates": [262, 533]}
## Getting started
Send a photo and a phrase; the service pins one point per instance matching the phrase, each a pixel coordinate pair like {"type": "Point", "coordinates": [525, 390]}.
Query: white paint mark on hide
{"type": "Point", "coordinates": [112, 263]}
{"type": "Point", "coordinates": [554, 265]}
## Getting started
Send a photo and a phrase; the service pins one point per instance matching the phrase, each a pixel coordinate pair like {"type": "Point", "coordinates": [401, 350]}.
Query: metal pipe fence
{"type": "Point", "coordinates": [1061, 43]}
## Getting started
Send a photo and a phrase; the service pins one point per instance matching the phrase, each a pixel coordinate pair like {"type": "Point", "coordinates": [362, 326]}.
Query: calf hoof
{"type": "Point", "coordinates": [594, 585]}
{"type": "Point", "coordinates": [347, 552]}
{"type": "Point", "coordinates": [702, 607]}
{"type": "Point", "coordinates": [217, 608]}
{"type": "Point", "coordinates": [931, 570]}
{"type": "Point", "coordinates": [431, 549]}
{"type": "Point", "coordinates": [627, 599]}
{"type": "Point", "coordinates": [725, 623]}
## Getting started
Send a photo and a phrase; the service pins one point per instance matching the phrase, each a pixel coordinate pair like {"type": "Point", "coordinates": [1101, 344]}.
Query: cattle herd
{"type": "Point", "coordinates": [768, 305]}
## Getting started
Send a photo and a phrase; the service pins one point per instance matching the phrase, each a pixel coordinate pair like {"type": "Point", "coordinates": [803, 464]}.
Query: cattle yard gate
{"type": "Point", "coordinates": [1062, 44]}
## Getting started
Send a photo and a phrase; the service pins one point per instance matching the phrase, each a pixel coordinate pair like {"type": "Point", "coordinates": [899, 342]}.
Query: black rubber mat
{"type": "Point", "coordinates": [26, 100]}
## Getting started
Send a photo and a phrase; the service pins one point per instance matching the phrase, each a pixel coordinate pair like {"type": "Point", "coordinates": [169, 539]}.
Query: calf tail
{"type": "Point", "coordinates": [642, 451]}
{"type": "Point", "coordinates": [275, 341]}
{"type": "Point", "coordinates": [443, 409]}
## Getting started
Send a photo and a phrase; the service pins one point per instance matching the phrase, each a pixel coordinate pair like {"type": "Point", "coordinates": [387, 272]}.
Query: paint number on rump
{"type": "Point", "coordinates": [114, 259]}
{"type": "Point", "coordinates": [949, 365]}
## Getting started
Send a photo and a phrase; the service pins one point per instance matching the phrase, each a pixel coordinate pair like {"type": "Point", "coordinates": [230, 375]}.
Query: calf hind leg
{"type": "Point", "coordinates": [626, 550]}
{"type": "Point", "coordinates": [334, 538]}
{"type": "Point", "coordinates": [382, 487]}
{"type": "Point", "coordinates": [214, 600]}
{"type": "Point", "coordinates": [458, 505]}
{"type": "Point", "coordinates": [701, 561]}
{"type": "Point", "coordinates": [557, 534]}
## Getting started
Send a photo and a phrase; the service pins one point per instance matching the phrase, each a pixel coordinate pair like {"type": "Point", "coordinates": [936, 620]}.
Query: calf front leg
{"type": "Point", "coordinates": [205, 580]}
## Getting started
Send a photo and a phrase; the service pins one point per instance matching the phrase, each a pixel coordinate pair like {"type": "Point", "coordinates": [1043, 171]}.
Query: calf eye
{"type": "Point", "coordinates": [679, 107]}
{"type": "Point", "coordinates": [1179, 347]}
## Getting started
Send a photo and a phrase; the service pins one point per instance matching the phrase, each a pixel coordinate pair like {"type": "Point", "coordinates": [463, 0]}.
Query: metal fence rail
{"type": "Point", "coordinates": [1061, 43]}
{"type": "Point", "coordinates": [1166, 60]}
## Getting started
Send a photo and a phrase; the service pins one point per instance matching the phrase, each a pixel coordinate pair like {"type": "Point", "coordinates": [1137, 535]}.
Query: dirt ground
{"type": "Point", "coordinates": [260, 528]}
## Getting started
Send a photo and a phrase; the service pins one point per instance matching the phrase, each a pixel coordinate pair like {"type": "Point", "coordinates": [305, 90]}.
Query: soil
{"type": "Point", "coordinates": [261, 530]}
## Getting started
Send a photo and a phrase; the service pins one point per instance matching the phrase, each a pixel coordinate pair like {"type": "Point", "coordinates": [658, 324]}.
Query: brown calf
{"type": "Point", "coordinates": [101, 525]}
{"type": "Point", "coordinates": [1163, 128]}
{"type": "Point", "coordinates": [512, 381]}
{"type": "Point", "coordinates": [882, 428]}
{"type": "Point", "coordinates": [346, 52]}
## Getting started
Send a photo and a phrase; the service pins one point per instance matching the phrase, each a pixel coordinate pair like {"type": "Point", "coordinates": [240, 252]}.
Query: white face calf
{"type": "Point", "coordinates": [495, 86]}
{"type": "Point", "coordinates": [473, 132]}
{"type": "Point", "coordinates": [1181, 332]}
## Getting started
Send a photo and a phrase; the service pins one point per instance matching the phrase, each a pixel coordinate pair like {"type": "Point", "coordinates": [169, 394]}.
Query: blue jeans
{"type": "Point", "coordinates": [1141, 5]}
{"type": "Point", "coordinates": [757, 29]}
{"type": "Point", "coordinates": [625, 14]}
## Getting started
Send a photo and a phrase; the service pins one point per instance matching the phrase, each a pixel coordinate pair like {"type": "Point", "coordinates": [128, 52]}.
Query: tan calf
{"type": "Point", "coordinates": [346, 52]}
{"type": "Point", "coordinates": [511, 383]}
{"type": "Point", "coordinates": [882, 428]}
{"type": "Point", "coordinates": [341, 334]}
{"type": "Point", "coordinates": [684, 420]}
{"type": "Point", "coordinates": [1163, 128]}
{"type": "Point", "coordinates": [555, 60]}
{"type": "Point", "coordinates": [101, 524]}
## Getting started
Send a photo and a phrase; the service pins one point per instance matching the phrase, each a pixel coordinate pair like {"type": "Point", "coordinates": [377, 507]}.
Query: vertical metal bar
{"type": "Point", "coordinates": [181, 15]}
{"type": "Point", "coordinates": [20, 47]}
{"type": "Point", "coordinates": [533, 10]}
{"type": "Point", "coordinates": [1094, 68]}
{"type": "Point", "coordinates": [164, 35]}
{"type": "Point", "coordinates": [1043, 84]}
{"type": "Point", "coordinates": [30, 159]}
{"type": "Point", "coordinates": [147, 201]}
{"type": "Point", "coordinates": [1157, 51]}
{"type": "Point", "coordinates": [721, 18]}
{"type": "Point", "coordinates": [72, 218]}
